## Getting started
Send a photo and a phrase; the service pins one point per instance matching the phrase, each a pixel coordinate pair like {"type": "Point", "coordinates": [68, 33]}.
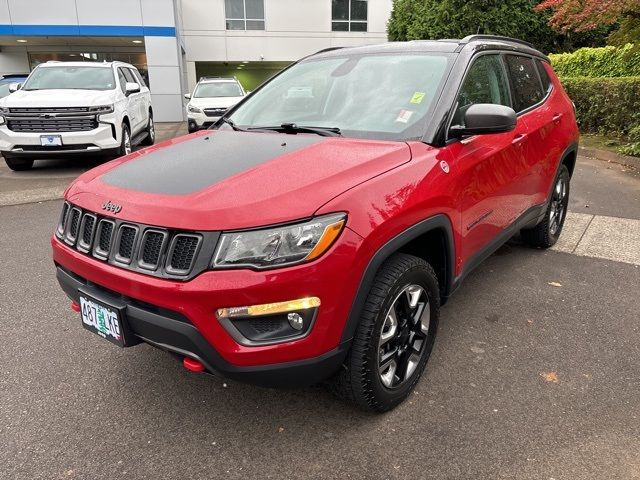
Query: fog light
{"type": "Point", "coordinates": [296, 321]}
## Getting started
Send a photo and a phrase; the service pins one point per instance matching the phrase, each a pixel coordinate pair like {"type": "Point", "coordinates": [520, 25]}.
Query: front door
{"type": "Point", "coordinates": [487, 166]}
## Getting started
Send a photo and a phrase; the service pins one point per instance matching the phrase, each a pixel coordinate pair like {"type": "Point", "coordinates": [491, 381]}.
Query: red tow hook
{"type": "Point", "coordinates": [192, 365]}
{"type": "Point", "coordinates": [75, 306]}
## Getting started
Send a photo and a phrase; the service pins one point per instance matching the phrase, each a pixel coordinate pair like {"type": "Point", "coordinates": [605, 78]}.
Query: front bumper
{"type": "Point", "coordinates": [175, 334]}
{"type": "Point", "coordinates": [199, 121]}
{"type": "Point", "coordinates": [96, 141]}
{"type": "Point", "coordinates": [180, 316]}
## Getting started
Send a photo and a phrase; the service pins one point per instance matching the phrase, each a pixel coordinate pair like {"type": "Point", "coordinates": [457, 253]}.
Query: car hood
{"type": "Point", "coordinates": [215, 102]}
{"type": "Point", "coordinates": [58, 98]}
{"type": "Point", "coordinates": [223, 180]}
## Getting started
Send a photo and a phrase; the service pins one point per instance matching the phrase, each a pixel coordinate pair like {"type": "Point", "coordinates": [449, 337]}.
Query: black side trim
{"type": "Point", "coordinates": [436, 222]}
{"type": "Point", "coordinates": [527, 218]}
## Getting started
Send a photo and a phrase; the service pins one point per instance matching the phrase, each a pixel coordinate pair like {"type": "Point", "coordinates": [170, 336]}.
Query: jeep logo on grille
{"type": "Point", "coordinates": [111, 207]}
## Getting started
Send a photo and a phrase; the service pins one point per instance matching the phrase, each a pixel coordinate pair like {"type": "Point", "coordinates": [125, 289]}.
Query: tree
{"type": "Point", "coordinates": [588, 15]}
{"type": "Point", "coordinates": [433, 19]}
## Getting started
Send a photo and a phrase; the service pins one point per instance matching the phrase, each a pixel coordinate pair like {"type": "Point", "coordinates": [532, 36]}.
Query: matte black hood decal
{"type": "Point", "coordinates": [203, 161]}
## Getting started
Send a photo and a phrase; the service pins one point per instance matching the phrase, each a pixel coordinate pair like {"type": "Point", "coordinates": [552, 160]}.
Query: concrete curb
{"type": "Point", "coordinates": [607, 156]}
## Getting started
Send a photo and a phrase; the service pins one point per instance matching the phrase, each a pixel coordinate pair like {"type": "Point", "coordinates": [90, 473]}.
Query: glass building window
{"type": "Point", "coordinates": [349, 15]}
{"type": "Point", "coordinates": [244, 14]}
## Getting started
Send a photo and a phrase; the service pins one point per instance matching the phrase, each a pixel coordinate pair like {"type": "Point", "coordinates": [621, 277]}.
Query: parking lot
{"type": "Point", "coordinates": [534, 374]}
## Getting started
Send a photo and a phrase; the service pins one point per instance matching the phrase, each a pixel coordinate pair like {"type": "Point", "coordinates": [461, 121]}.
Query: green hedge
{"type": "Point", "coordinates": [606, 105]}
{"type": "Point", "coordinates": [598, 62]}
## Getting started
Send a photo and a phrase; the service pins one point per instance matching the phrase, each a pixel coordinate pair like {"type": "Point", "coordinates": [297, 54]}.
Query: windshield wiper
{"type": "Point", "coordinates": [232, 124]}
{"type": "Point", "coordinates": [293, 129]}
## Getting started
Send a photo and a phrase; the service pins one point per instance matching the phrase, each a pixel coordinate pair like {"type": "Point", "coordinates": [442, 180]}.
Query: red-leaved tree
{"type": "Point", "coordinates": [583, 15]}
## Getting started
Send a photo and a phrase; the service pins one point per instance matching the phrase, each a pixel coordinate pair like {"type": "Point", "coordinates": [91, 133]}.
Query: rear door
{"type": "Point", "coordinates": [529, 98]}
{"type": "Point", "coordinates": [486, 167]}
{"type": "Point", "coordinates": [549, 126]}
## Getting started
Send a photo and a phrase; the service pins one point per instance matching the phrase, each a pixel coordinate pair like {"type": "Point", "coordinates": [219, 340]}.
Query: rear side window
{"type": "Point", "coordinates": [527, 89]}
{"type": "Point", "coordinates": [485, 83]}
{"type": "Point", "coordinates": [544, 76]}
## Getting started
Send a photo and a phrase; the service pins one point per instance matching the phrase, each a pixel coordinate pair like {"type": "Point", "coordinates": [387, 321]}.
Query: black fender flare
{"type": "Point", "coordinates": [436, 222]}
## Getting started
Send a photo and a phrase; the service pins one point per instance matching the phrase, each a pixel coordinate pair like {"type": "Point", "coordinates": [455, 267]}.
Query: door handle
{"type": "Point", "coordinates": [518, 139]}
{"type": "Point", "coordinates": [557, 117]}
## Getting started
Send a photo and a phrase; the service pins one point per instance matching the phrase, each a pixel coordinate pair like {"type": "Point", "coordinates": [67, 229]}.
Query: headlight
{"type": "Point", "coordinates": [102, 110]}
{"type": "Point", "coordinates": [193, 109]}
{"type": "Point", "coordinates": [279, 246]}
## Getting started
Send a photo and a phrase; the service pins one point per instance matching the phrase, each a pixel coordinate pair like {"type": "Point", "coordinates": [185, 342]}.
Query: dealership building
{"type": "Point", "coordinates": [175, 42]}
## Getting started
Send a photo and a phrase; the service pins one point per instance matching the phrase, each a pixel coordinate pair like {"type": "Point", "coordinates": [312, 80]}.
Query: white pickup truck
{"type": "Point", "coordinates": [71, 108]}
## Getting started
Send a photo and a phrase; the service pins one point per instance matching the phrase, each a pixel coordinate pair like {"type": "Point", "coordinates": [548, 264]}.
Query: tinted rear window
{"type": "Point", "coordinates": [544, 76]}
{"type": "Point", "coordinates": [527, 90]}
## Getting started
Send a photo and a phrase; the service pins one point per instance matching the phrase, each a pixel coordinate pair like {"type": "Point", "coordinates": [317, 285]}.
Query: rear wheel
{"type": "Point", "coordinates": [18, 164]}
{"type": "Point", "coordinates": [395, 336]}
{"type": "Point", "coordinates": [547, 232]}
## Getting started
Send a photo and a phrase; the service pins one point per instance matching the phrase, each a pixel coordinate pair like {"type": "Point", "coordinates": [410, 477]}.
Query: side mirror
{"type": "Point", "coordinates": [14, 87]}
{"type": "Point", "coordinates": [187, 96]}
{"type": "Point", "coordinates": [483, 118]}
{"type": "Point", "coordinates": [131, 87]}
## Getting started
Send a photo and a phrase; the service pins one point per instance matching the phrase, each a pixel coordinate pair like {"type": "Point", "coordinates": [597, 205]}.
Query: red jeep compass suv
{"type": "Point", "coordinates": [316, 230]}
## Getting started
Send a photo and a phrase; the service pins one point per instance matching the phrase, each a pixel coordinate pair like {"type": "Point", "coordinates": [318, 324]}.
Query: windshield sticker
{"type": "Point", "coordinates": [404, 116]}
{"type": "Point", "coordinates": [418, 97]}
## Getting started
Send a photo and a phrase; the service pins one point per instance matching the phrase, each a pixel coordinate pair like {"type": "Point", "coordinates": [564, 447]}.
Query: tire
{"type": "Point", "coordinates": [365, 378]}
{"type": "Point", "coordinates": [126, 138]}
{"type": "Point", "coordinates": [19, 164]}
{"type": "Point", "coordinates": [547, 232]}
{"type": "Point", "coordinates": [150, 139]}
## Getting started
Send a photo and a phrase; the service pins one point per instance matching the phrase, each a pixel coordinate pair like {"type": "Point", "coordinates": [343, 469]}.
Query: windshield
{"type": "Point", "coordinates": [217, 89]}
{"type": "Point", "coordinates": [81, 78]}
{"type": "Point", "coordinates": [386, 96]}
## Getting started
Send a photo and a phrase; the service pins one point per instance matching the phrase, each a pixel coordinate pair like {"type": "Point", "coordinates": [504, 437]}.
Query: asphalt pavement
{"type": "Point", "coordinates": [534, 375]}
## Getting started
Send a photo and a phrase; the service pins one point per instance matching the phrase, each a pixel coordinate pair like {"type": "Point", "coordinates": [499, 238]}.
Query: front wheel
{"type": "Point", "coordinates": [395, 335]}
{"type": "Point", "coordinates": [151, 132]}
{"type": "Point", "coordinates": [125, 144]}
{"type": "Point", "coordinates": [18, 164]}
{"type": "Point", "coordinates": [547, 232]}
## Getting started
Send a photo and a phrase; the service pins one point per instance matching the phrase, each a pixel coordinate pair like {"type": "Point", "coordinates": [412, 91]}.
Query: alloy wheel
{"type": "Point", "coordinates": [403, 336]}
{"type": "Point", "coordinates": [558, 208]}
{"type": "Point", "coordinates": [127, 142]}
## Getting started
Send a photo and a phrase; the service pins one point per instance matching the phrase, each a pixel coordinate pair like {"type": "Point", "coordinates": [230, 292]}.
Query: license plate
{"type": "Point", "coordinates": [51, 140]}
{"type": "Point", "coordinates": [102, 320]}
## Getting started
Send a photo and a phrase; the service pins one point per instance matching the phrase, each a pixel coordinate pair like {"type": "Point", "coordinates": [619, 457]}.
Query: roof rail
{"type": "Point", "coordinates": [207, 77]}
{"type": "Point", "coordinates": [328, 49]}
{"type": "Point", "coordinates": [471, 38]}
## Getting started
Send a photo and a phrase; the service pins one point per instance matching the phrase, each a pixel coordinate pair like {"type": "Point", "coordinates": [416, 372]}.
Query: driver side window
{"type": "Point", "coordinates": [485, 83]}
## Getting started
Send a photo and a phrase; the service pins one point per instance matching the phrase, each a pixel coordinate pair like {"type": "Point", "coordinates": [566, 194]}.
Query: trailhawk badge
{"type": "Point", "coordinates": [111, 207]}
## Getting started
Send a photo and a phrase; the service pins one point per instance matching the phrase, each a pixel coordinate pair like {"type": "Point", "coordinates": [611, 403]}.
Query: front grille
{"type": "Point", "coordinates": [73, 225]}
{"type": "Point", "coordinates": [183, 251]}
{"type": "Point", "coordinates": [142, 248]}
{"type": "Point", "coordinates": [152, 245]}
{"type": "Point", "coordinates": [87, 227]}
{"type": "Point", "coordinates": [52, 125]}
{"type": "Point", "coordinates": [126, 243]}
{"type": "Point", "coordinates": [105, 234]}
{"type": "Point", "coordinates": [55, 148]}
{"type": "Point", "coordinates": [214, 112]}
{"type": "Point", "coordinates": [40, 110]}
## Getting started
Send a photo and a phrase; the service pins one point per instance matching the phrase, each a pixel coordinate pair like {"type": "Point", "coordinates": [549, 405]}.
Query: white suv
{"type": "Point", "coordinates": [211, 98]}
{"type": "Point", "coordinates": [70, 108]}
